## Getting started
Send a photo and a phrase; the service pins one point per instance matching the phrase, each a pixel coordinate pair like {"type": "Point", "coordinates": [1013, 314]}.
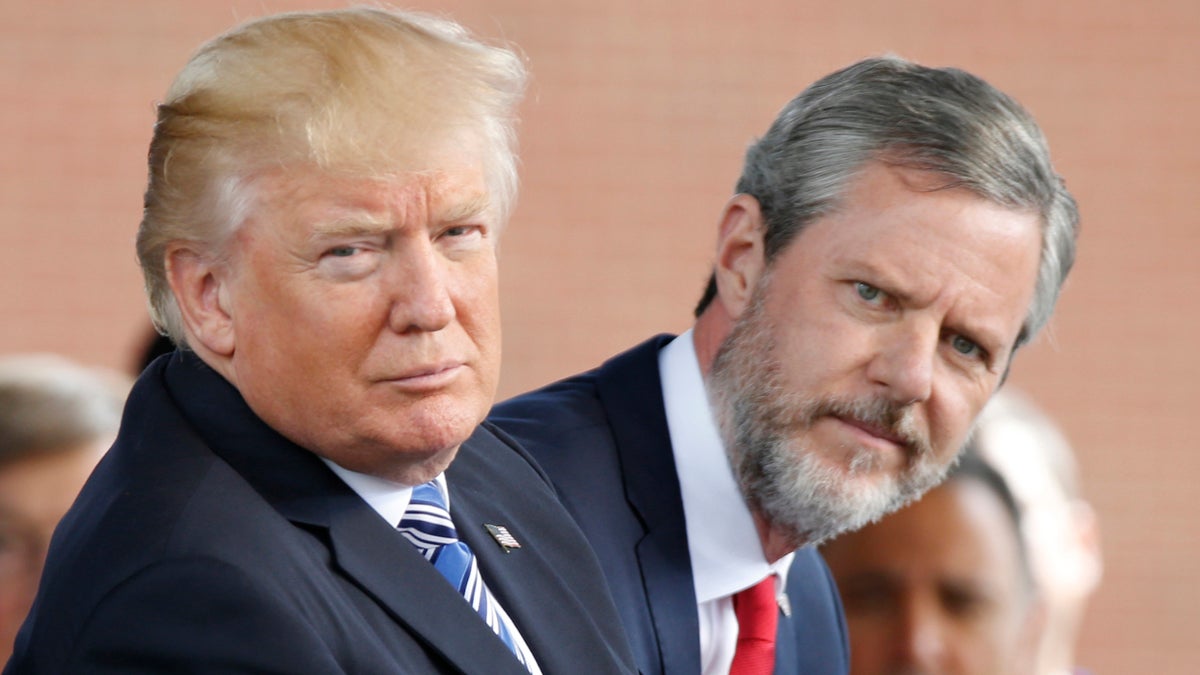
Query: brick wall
{"type": "Point", "coordinates": [632, 137]}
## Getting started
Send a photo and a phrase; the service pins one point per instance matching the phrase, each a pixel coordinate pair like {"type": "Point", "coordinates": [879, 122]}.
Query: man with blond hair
{"type": "Point", "coordinates": [307, 486]}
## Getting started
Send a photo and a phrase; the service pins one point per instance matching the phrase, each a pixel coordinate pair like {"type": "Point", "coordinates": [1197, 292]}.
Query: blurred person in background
{"type": "Point", "coordinates": [1060, 528]}
{"type": "Point", "coordinates": [56, 420]}
{"type": "Point", "coordinates": [942, 586]}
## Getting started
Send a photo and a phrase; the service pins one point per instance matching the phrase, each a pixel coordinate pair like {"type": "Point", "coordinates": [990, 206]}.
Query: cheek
{"type": "Point", "coordinates": [952, 415]}
{"type": "Point", "coordinates": [483, 304]}
{"type": "Point", "coordinates": [477, 302]}
{"type": "Point", "coordinates": [818, 340]}
{"type": "Point", "coordinates": [319, 322]}
{"type": "Point", "coordinates": [986, 649]}
{"type": "Point", "coordinates": [281, 356]}
{"type": "Point", "coordinates": [871, 643]}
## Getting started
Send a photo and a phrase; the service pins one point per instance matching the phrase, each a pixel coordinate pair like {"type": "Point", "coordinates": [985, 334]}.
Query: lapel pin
{"type": "Point", "coordinates": [502, 536]}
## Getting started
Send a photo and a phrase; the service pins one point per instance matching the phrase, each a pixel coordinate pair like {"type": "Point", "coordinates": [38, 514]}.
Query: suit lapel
{"type": "Point", "coordinates": [786, 656]}
{"type": "Point", "coordinates": [365, 547]}
{"type": "Point", "coordinates": [630, 391]}
{"type": "Point", "coordinates": [376, 557]}
{"type": "Point", "coordinates": [547, 610]}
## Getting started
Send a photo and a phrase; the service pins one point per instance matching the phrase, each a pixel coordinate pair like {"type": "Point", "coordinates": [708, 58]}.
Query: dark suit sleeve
{"type": "Point", "coordinates": [197, 615]}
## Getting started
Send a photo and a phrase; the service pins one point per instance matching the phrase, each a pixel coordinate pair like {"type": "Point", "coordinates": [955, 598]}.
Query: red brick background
{"type": "Point", "coordinates": [632, 138]}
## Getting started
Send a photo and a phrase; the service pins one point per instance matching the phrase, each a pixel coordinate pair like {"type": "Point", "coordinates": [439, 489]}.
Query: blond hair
{"type": "Point", "coordinates": [361, 90]}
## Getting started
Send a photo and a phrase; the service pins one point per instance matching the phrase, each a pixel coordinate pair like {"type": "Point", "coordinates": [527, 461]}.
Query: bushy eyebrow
{"type": "Point", "coordinates": [874, 276]}
{"type": "Point", "coordinates": [466, 209]}
{"type": "Point", "coordinates": [361, 222]}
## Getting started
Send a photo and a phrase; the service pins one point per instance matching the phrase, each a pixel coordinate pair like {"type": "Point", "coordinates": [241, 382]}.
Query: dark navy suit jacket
{"type": "Point", "coordinates": [206, 542]}
{"type": "Point", "coordinates": [602, 437]}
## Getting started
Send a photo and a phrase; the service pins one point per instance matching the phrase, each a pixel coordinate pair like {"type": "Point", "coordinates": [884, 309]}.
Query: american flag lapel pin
{"type": "Point", "coordinates": [785, 605]}
{"type": "Point", "coordinates": [502, 536]}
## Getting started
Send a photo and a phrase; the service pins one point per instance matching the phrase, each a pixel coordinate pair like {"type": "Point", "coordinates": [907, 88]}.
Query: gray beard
{"type": "Point", "coordinates": [801, 493]}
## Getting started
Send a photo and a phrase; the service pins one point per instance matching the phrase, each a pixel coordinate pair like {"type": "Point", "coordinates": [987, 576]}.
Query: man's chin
{"type": "Point", "coordinates": [407, 465]}
{"type": "Point", "coordinates": [432, 423]}
{"type": "Point", "coordinates": [822, 499]}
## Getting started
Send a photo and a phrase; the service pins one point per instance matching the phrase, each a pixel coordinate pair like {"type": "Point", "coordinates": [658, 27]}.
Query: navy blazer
{"type": "Point", "coordinates": [207, 542]}
{"type": "Point", "coordinates": [602, 437]}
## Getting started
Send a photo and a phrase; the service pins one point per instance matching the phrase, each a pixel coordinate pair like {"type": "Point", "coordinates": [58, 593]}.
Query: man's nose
{"type": "Point", "coordinates": [421, 297]}
{"type": "Point", "coordinates": [904, 362]}
{"type": "Point", "coordinates": [921, 641]}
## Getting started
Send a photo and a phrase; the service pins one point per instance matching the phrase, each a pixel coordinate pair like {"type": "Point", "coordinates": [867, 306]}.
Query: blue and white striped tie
{"type": "Point", "coordinates": [426, 523]}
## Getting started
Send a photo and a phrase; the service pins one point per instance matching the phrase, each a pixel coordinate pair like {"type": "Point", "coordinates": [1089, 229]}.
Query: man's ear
{"type": "Point", "coordinates": [200, 287]}
{"type": "Point", "coordinates": [741, 257]}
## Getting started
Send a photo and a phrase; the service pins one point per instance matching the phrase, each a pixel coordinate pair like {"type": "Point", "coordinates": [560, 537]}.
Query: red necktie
{"type": "Point", "coordinates": [758, 616]}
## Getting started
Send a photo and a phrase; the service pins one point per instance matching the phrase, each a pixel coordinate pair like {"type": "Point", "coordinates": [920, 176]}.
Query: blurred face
{"type": "Point", "coordinates": [849, 382]}
{"type": "Point", "coordinates": [365, 314]}
{"type": "Point", "coordinates": [935, 588]}
{"type": "Point", "coordinates": [35, 493]}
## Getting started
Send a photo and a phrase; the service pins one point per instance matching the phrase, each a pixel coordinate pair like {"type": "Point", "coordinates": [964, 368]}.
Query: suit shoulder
{"type": "Point", "coordinates": [810, 576]}
{"type": "Point", "coordinates": [558, 408]}
{"type": "Point", "coordinates": [162, 613]}
{"type": "Point", "coordinates": [580, 403]}
{"type": "Point", "coordinates": [131, 542]}
{"type": "Point", "coordinates": [577, 405]}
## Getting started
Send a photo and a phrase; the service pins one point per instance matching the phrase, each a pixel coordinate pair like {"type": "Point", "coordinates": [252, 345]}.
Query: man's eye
{"type": "Point", "coordinates": [964, 346]}
{"type": "Point", "coordinates": [867, 291]}
{"type": "Point", "coordinates": [342, 251]}
{"type": "Point", "coordinates": [964, 603]}
{"type": "Point", "coordinates": [461, 231]}
{"type": "Point", "coordinates": [866, 597]}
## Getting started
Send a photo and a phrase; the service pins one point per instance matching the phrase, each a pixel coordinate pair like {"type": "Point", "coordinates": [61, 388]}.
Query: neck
{"type": "Point", "coordinates": [776, 543]}
{"type": "Point", "coordinates": [708, 333]}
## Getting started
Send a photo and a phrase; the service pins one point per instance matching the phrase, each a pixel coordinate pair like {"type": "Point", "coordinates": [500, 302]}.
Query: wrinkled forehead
{"type": "Point", "coordinates": [304, 201]}
{"type": "Point", "coordinates": [452, 172]}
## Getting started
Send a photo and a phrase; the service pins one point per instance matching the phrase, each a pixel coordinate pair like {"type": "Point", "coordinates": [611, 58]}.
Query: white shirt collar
{"type": "Point", "coordinates": [723, 542]}
{"type": "Point", "coordinates": [388, 498]}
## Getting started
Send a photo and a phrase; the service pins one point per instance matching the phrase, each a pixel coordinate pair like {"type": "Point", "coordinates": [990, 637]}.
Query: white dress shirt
{"type": "Point", "coordinates": [390, 500]}
{"type": "Point", "coordinates": [723, 542]}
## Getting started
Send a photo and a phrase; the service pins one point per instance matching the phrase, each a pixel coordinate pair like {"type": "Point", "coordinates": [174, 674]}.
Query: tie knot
{"type": "Point", "coordinates": [757, 599]}
{"type": "Point", "coordinates": [426, 522]}
{"type": "Point", "coordinates": [428, 494]}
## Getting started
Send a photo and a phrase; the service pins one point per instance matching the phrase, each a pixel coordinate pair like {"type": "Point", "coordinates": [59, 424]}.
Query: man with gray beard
{"type": "Point", "coordinates": [896, 235]}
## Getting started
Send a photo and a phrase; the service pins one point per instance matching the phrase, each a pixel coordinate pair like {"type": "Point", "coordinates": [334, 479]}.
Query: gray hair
{"type": "Point", "coordinates": [50, 404]}
{"type": "Point", "coordinates": [941, 120]}
{"type": "Point", "coordinates": [361, 91]}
